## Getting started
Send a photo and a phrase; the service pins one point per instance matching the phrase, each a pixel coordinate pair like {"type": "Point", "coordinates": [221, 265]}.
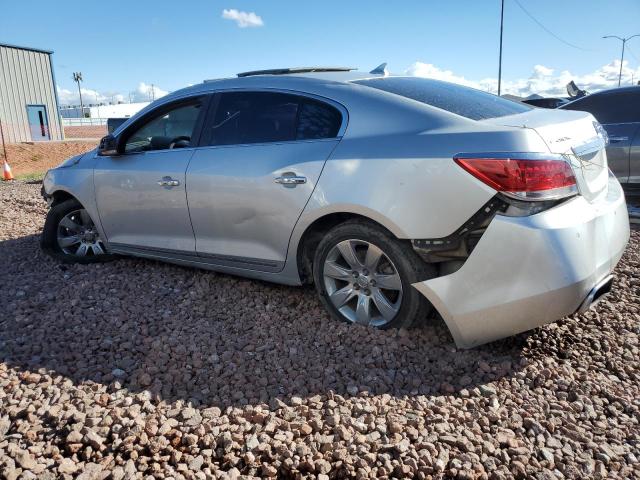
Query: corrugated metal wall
{"type": "Point", "coordinates": [26, 79]}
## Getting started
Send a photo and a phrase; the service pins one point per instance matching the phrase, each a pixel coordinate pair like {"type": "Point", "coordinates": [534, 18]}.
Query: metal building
{"type": "Point", "coordinates": [28, 97]}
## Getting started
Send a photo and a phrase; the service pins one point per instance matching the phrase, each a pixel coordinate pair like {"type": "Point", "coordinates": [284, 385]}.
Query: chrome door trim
{"type": "Point", "coordinates": [616, 139]}
{"type": "Point", "coordinates": [290, 180]}
{"type": "Point", "coordinates": [168, 182]}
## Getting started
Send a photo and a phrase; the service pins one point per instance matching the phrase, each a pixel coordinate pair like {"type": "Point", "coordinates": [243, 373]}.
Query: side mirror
{"type": "Point", "coordinates": [108, 146]}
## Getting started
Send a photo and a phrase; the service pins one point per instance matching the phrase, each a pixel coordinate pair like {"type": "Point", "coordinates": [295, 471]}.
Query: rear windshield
{"type": "Point", "coordinates": [467, 102]}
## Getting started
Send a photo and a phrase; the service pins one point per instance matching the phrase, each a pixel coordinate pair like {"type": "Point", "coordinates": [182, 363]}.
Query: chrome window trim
{"type": "Point", "coordinates": [263, 144]}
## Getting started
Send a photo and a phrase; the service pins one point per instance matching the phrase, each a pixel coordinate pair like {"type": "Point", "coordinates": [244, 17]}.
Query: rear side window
{"type": "Point", "coordinates": [317, 120]}
{"type": "Point", "coordinates": [610, 108]}
{"type": "Point", "coordinates": [464, 101]}
{"type": "Point", "coordinates": [263, 117]}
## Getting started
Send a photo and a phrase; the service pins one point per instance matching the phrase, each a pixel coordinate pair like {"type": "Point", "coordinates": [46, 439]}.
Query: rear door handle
{"type": "Point", "coordinates": [290, 180]}
{"type": "Point", "coordinates": [618, 139]}
{"type": "Point", "coordinates": [168, 182]}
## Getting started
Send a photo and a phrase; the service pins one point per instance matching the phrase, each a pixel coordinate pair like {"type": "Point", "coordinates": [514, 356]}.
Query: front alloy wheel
{"type": "Point", "coordinates": [70, 235]}
{"type": "Point", "coordinates": [77, 235]}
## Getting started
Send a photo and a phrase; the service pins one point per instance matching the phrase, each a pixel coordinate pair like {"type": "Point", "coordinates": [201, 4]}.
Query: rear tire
{"type": "Point", "coordinates": [363, 275]}
{"type": "Point", "coordinates": [70, 235]}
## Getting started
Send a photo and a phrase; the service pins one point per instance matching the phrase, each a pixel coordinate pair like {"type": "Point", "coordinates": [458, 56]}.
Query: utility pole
{"type": "Point", "coordinates": [153, 93]}
{"type": "Point", "coordinates": [624, 41]}
{"type": "Point", "coordinates": [500, 56]}
{"type": "Point", "coordinates": [77, 77]}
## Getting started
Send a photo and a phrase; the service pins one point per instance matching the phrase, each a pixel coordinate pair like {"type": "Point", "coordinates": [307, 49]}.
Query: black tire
{"type": "Point", "coordinates": [410, 267]}
{"type": "Point", "coordinates": [49, 238]}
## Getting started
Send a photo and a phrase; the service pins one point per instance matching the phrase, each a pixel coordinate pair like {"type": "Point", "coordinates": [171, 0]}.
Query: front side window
{"type": "Point", "coordinates": [263, 117]}
{"type": "Point", "coordinates": [172, 128]}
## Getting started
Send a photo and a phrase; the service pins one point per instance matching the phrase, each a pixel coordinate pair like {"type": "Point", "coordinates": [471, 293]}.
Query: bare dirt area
{"type": "Point", "coordinates": [136, 369]}
{"type": "Point", "coordinates": [37, 157]}
{"type": "Point", "coordinates": [85, 131]}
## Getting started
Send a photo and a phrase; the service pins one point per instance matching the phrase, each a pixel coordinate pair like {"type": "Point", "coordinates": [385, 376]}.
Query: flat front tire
{"type": "Point", "coordinates": [363, 275]}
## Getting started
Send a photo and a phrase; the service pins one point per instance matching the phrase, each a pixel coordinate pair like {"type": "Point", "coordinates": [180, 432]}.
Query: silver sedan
{"type": "Point", "coordinates": [398, 197]}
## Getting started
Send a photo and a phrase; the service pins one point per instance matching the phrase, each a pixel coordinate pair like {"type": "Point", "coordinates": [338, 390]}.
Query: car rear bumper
{"type": "Point", "coordinates": [529, 271]}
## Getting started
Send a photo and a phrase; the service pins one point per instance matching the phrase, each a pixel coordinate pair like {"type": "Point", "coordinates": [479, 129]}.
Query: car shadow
{"type": "Point", "coordinates": [216, 340]}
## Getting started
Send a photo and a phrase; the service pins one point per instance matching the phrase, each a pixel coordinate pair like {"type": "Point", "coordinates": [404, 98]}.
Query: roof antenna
{"type": "Point", "coordinates": [381, 70]}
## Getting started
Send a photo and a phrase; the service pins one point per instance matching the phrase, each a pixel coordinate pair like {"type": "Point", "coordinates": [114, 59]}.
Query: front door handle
{"type": "Point", "coordinates": [290, 180]}
{"type": "Point", "coordinates": [168, 182]}
{"type": "Point", "coordinates": [614, 139]}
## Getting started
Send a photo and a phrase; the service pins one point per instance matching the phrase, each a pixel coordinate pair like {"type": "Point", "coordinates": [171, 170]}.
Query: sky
{"type": "Point", "coordinates": [123, 48]}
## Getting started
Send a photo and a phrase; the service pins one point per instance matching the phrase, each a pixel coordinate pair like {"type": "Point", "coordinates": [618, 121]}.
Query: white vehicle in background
{"type": "Point", "coordinates": [394, 195]}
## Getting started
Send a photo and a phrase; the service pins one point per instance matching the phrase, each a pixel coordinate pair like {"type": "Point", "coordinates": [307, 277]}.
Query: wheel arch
{"type": "Point", "coordinates": [60, 196]}
{"type": "Point", "coordinates": [315, 231]}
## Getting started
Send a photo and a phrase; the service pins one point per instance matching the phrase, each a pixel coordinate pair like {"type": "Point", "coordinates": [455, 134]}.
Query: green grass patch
{"type": "Point", "coordinates": [31, 177]}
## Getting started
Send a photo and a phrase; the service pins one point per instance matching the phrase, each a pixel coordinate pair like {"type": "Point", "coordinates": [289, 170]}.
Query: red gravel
{"type": "Point", "coordinates": [137, 369]}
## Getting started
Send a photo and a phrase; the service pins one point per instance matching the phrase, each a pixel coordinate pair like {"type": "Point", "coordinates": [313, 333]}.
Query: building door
{"type": "Point", "coordinates": [38, 122]}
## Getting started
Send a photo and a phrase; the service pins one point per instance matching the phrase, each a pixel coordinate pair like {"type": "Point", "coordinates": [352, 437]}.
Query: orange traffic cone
{"type": "Point", "coordinates": [6, 171]}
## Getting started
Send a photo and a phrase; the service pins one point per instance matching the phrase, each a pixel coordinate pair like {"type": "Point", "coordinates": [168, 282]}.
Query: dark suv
{"type": "Point", "coordinates": [618, 110]}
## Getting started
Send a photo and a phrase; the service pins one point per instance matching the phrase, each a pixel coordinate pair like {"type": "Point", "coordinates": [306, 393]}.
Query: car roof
{"type": "Point", "coordinates": [296, 78]}
{"type": "Point", "coordinates": [617, 90]}
{"type": "Point", "coordinates": [603, 93]}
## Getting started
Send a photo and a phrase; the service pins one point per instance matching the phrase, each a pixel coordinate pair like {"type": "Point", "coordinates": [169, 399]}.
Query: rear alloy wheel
{"type": "Point", "coordinates": [362, 283]}
{"type": "Point", "coordinates": [70, 235]}
{"type": "Point", "coordinates": [364, 275]}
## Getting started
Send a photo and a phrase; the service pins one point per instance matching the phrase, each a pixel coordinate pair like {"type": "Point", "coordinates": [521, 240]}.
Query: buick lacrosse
{"type": "Point", "coordinates": [397, 196]}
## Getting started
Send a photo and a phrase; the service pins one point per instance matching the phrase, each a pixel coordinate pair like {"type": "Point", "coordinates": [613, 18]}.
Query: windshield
{"type": "Point", "coordinates": [464, 101]}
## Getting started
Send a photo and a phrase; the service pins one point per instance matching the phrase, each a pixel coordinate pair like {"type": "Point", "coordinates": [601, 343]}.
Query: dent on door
{"type": "Point", "coordinates": [244, 201]}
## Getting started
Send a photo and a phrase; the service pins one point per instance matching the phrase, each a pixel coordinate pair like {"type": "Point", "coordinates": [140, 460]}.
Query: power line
{"type": "Point", "coordinates": [633, 54]}
{"type": "Point", "coordinates": [547, 30]}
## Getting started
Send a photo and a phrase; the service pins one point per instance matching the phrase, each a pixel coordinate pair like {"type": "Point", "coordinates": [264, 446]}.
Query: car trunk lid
{"type": "Point", "coordinates": [574, 135]}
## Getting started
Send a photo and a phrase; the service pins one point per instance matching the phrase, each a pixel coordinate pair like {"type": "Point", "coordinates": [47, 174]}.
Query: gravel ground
{"type": "Point", "coordinates": [136, 369]}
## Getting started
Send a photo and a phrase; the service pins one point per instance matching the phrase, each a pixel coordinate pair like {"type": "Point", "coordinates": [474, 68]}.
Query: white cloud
{"type": "Point", "coordinates": [71, 97]}
{"type": "Point", "coordinates": [542, 81]}
{"type": "Point", "coordinates": [242, 19]}
{"type": "Point", "coordinates": [146, 93]}
{"type": "Point", "coordinates": [143, 93]}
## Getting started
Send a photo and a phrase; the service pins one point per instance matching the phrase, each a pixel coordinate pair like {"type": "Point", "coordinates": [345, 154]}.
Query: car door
{"type": "Point", "coordinates": [246, 189]}
{"type": "Point", "coordinates": [612, 110]}
{"type": "Point", "coordinates": [634, 158]}
{"type": "Point", "coordinates": [140, 192]}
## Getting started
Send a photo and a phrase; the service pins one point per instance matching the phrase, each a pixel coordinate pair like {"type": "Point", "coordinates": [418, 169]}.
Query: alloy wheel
{"type": "Point", "coordinates": [77, 235]}
{"type": "Point", "coordinates": [362, 283]}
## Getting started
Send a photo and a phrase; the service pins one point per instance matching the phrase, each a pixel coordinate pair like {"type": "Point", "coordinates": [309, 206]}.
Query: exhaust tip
{"type": "Point", "coordinates": [596, 294]}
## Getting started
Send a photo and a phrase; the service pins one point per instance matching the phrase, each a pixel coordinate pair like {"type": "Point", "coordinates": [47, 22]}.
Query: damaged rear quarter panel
{"type": "Point", "coordinates": [388, 180]}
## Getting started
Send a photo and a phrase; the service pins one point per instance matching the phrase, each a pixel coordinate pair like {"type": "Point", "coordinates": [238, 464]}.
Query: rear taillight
{"type": "Point", "coordinates": [523, 178]}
